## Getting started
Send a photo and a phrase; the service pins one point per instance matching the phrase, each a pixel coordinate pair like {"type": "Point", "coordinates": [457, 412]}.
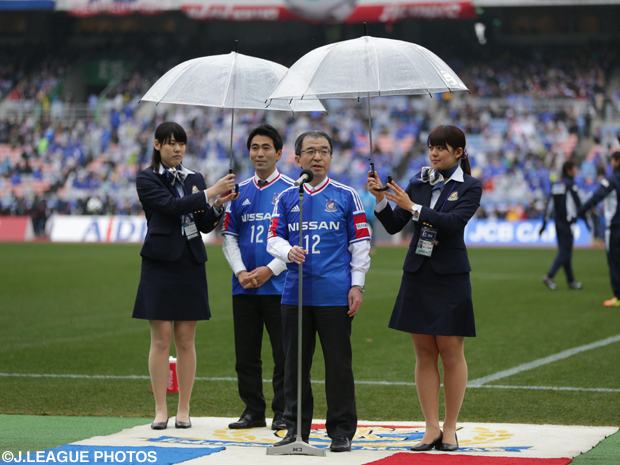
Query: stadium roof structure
{"type": "Point", "coordinates": [319, 11]}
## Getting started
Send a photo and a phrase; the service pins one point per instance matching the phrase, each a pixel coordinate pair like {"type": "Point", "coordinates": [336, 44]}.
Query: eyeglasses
{"type": "Point", "coordinates": [311, 151]}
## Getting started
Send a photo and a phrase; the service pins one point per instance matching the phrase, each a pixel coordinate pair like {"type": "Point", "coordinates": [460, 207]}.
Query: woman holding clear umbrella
{"type": "Point", "coordinates": [434, 302]}
{"type": "Point", "coordinates": [172, 293]}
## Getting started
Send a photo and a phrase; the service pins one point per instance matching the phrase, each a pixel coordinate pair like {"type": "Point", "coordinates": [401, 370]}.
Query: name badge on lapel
{"type": "Point", "coordinates": [428, 239]}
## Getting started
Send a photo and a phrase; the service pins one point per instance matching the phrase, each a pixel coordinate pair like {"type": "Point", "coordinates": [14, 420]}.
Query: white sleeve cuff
{"type": "Point", "coordinates": [279, 248]}
{"type": "Point", "coordinates": [416, 210]}
{"type": "Point", "coordinates": [277, 266]}
{"type": "Point", "coordinates": [381, 205]}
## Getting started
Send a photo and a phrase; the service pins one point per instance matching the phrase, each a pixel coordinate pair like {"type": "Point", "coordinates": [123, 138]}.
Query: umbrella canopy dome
{"type": "Point", "coordinates": [367, 67]}
{"type": "Point", "coordinates": [225, 81]}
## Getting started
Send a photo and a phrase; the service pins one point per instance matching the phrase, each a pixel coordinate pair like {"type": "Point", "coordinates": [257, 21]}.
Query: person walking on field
{"type": "Point", "coordinates": [609, 192]}
{"type": "Point", "coordinates": [563, 204]}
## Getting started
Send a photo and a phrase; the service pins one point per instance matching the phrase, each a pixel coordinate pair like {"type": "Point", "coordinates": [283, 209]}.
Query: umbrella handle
{"type": "Point", "coordinates": [236, 185]}
{"type": "Point", "coordinates": [372, 170]}
{"type": "Point", "coordinates": [385, 188]}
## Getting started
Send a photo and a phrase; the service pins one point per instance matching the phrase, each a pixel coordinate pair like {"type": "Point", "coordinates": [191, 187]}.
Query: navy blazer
{"type": "Point", "coordinates": [450, 255]}
{"type": "Point", "coordinates": [164, 239]}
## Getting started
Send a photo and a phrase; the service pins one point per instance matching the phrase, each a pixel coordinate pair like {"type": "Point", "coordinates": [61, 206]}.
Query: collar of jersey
{"type": "Point", "coordinates": [313, 190]}
{"type": "Point", "coordinates": [272, 177]}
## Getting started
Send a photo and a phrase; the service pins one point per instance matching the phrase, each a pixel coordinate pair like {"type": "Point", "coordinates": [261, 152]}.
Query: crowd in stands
{"type": "Point", "coordinates": [88, 166]}
{"type": "Point", "coordinates": [580, 74]}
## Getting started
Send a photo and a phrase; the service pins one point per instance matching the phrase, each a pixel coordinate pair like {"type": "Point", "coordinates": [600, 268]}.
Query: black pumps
{"type": "Point", "coordinates": [449, 447]}
{"type": "Point", "coordinates": [160, 425]}
{"type": "Point", "coordinates": [426, 447]}
{"type": "Point", "coordinates": [437, 444]}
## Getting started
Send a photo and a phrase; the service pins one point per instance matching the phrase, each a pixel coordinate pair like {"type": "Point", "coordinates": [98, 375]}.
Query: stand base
{"type": "Point", "coordinates": [297, 448]}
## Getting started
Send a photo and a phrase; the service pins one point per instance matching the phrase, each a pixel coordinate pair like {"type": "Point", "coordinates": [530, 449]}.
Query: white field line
{"type": "Point", "coordinates": [477, 383]}
{"type": "Point", "coordinates": [314, 381]}
{"type": "Point", "coordinates": [542, 361]}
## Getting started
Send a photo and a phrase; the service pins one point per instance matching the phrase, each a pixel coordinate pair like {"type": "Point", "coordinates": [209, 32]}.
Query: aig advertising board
{"type": "Point", "coordinates": [102, 229]}
{"type": "Point", "coordinates": [478, 232]}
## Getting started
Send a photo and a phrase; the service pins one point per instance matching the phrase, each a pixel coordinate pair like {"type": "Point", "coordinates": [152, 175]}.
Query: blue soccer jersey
{"type": "Point", "coordinates": [333, 219]}
{"type": "Point", "coordinates": [247, 218]}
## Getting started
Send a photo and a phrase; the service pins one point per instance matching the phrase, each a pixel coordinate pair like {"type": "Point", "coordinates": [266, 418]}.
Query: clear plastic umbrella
{"type": "Point", "coordinates": [226, 81]}
{"type": "Point", "coordinates": [367, 67]}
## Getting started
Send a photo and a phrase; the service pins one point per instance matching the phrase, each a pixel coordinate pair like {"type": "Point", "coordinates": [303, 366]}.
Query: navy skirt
{"type": "Point", "coordinates": [434, 304]}
{"type": "Point", "coordinates": [173, 291]}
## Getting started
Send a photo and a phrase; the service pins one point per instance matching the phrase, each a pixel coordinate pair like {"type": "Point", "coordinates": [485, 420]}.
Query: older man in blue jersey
{"type": "Point", "coordinates": [335, 254]}
{"type": "Point", "coordinates": [258, 279]}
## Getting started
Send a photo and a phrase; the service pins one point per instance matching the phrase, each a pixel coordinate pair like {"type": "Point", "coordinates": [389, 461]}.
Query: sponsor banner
{"type": "Point", "coordinates": [27, 4]}
{"type": "Point", "coordinates": [115, 7]}
{"type": "Point", "coordinates": [520, 233]}
{"type": "Point", "coordinates": [16, 228]}
{"type": "Point", "coordinates": [327, 11]}
{"type": "Point", "coordinates": [129, 229]}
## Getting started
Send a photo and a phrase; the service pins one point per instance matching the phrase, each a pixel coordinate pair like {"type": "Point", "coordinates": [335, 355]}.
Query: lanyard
{"type": "Point", "coordinates": [444, 202]}
{"type": "Point", "coordinates": [177, 190]}
{"type": "Point", "coordinates": [189, 215]}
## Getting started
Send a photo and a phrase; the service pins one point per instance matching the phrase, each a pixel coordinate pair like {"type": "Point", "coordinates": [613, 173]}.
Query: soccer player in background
{"type": "Point", "coordinates": [608, 192]}
{"type": "Point", "coordinates": [335, 257]}
{"type": "Point", "coordinates": [258, 279]}
{"type": "Point", "coordinates": [563, 204]}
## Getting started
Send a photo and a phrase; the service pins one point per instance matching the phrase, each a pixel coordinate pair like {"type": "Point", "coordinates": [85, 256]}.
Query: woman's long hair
{"type": "Point", "coordinates": [450, 135]}
{"type": "Point", "coordinates": [163, 133]}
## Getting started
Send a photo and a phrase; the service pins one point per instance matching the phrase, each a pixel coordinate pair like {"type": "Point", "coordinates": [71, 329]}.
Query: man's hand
{"type": "Point", "coordinates": [355, 301]}
{"type": "Point", "coordinates": [296, 254]}
{"type": "Point", "coordinates": [245, 280]}
{"type": "Point", "coordinates": [260, 275]}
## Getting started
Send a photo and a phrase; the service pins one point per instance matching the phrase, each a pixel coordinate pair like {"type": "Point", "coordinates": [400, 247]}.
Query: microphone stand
{"type": "Point", "coordinates": [298, 447]}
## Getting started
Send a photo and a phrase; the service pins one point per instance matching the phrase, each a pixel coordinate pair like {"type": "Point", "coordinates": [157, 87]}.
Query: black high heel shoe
{"type": "Point", "coordinates": [160, 425]}
{"type": "Point", "coordinates": [425, 447]}
{"type": "Point", "coordinates": [449, 447]}
{"type": "Point", "coordinates": [182, 424]}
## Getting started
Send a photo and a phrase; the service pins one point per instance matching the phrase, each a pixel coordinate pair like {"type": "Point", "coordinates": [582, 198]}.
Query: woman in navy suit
{"type": "Point", "coordinates": [172, 293]}
{"type": "Point", "coordinates": [434, 302]}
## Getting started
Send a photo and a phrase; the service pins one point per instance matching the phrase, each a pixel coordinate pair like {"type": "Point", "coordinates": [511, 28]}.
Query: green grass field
{"type": "Point", "coordinates": [65, 309]}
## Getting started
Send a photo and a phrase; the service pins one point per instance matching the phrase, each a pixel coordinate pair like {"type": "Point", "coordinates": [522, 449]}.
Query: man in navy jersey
{"type": "Point", "coordinates": [258, 279]}
{"type": "Point", "coordinates": [563, 204]}
{"type": "Point", "coordinates": [335, 257]}
{"type": "Point", "coordinates": [609, 192]}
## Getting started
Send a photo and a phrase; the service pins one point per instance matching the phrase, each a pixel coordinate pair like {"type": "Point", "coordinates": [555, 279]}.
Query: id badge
{"type": "Point", "coordinates": [189, 228]}
{"type": "Point", "coordinates": [428, 239]}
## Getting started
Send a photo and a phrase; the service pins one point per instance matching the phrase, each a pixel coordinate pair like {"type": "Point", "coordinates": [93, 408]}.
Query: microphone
{"type": "Point", "coordinates": [306, 176]}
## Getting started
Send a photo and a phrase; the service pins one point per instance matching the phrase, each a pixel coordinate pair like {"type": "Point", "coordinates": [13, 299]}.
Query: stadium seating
{"type": "Point", "coordinates": [519, 123]}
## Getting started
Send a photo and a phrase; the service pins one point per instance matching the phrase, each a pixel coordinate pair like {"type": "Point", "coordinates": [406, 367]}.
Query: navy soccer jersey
{"type": "Point", "coordinates": [333, 219]}
{"type": "Point", "coordinates": [248, 218]}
